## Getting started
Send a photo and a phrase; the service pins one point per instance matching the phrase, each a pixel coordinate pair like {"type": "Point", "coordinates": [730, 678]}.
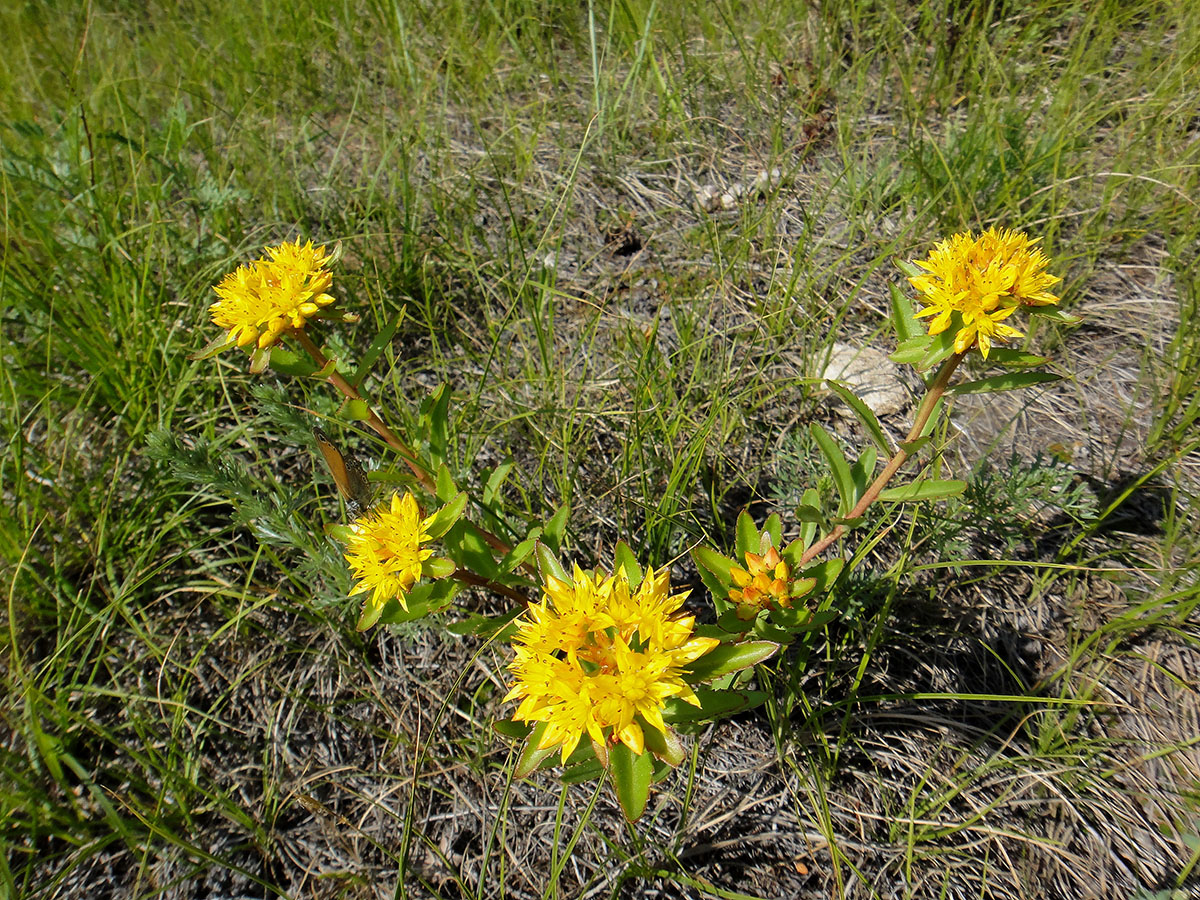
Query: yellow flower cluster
{"type": "Point", "coordinates": [764, 583]}
{"type": "Point", "coordinates": [984, 279]}
{"type": "Point", "coordinates": [596, 656]}
{"type": "Point", "coordinates": [385, 553]}
{"type": "Point", "coordinates": [261, 300]}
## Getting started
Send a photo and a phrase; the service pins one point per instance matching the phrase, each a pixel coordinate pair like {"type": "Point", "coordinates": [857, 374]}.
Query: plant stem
{"type": "Point", "coordinates": [377, 424]}
{"type": "Point", "coordinates": [932, 396]}
{"type": "Point", "coordinates": [380, 427]}
{"type": "Point", "coordinates": [468, 577]}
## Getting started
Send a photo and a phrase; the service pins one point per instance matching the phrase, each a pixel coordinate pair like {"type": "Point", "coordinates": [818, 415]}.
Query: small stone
{"type": "Point", "coordinates": [708, 197]}
{"type": "Point", "coordinates": [873, 377]}
{"type": "Point", "coordinates": [766, 181]}
{"type": "Point", "coordinates": [728, 201]}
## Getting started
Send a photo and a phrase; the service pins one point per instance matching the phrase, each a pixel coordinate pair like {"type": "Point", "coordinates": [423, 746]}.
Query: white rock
{"type": "Point", "coordinates": [766, 181]}
{"type": "Point", "coordinates": [708, 197]}
{"type": "Point", "coordinates": [871, 375]}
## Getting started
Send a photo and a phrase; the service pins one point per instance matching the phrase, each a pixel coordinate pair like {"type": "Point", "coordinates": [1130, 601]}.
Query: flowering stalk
{"type": "Point", "coordinates": [377, 424]}
{"type": "Point", "coordinates": [381, 428]}
{"type": "Point", "coordinates": [936, 390]}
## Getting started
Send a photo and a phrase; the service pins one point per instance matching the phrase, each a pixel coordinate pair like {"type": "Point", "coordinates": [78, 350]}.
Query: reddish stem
{"type": "Point", "coordinates": [377, 424]}
{"type": "Point", "coordinates": [932, 396]}
{"type": "Point", "coordinates": [380, 427]}
{"type": "Point", "coordinates": [468, 577]}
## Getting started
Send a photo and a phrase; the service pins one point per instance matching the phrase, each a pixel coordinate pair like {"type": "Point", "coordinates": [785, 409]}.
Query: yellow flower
{"type": "Point", "coordinates": [764, 583]}
{"type": "Point", "coordinates": [984, 280]}
{"type": "Point", "coordinates": [569, 613]}
{"type": "Point", "coordinates": [385, 553]}
{"type": "Point", "coordinates": [261, 300]}
{"type": "Point", "coordinates": [650, 609]}
{"type": "Point", "coordinates": [301, 259]}
{"type": "Point", "coordinates": [597, 657]}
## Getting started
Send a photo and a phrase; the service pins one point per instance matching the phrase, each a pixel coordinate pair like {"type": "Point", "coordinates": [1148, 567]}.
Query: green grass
{"type": "Point", "coordinates": [188, 706]}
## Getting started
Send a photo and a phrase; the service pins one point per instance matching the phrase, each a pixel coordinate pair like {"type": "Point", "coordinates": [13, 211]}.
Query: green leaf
{"type": "Point", "coordinates": [326, 370]}
{"type": "Point", "coordinates": [491, 490]}
{"type": "Point", "coordinates": [446, 488]}
{"type": "Point", "coordinates": [666, 747]}
{"type": "Point", "coordinates": [442, 520]}
{"type": "Point", "coordinates": [661, 771]}
{"type": "Point", "coordinates": [1054, 315]}
{"type": "Point", "coordinates": [772, 528]}
{"type": "Point", "coordinates": [935, 417]}
{"type": "Point", "coordinates": [838, 465]}
{"type": "Point", "coordinates": [497, 628]}
{"type": "Point", "coordinates": [862, 472]}
{"type": "Point", "coordinates": [370, 614]}
{"type": "Point", "coordinates": [911, 447]}
{"type": "Point", "coordinates": [811, 514]}
{"type": "Point", "coordinates": [909, 268]}
{"type": "Point", "coordinates": [730, 658]}
{"type": "Point", "coordinates": [736, 620]}
{"type": "Point", "coordinates": [714, 569]}
{"type": "Point", "coordinates": [792, 552]}
{"type": "Point", "coordinates": [259, 359]}
{"type": "Point", "coordinates": [341, 533]}
{"type": "Point", "coordinates": [531, 757]}
{"type": "Point", "coordinates": [808, 531]}
{"type": "Point", "coordinates": [623, 558]}
{"type": "Point", "coordinates": [802, 587]}
{"type": "Point", "coordinates": [1008, 381]}
{"type": "Point", "coordinates": [912, 351]}
{"type": "Point", "coordinates": [518, 731]}
{"type": "Point", "coordinates": [766, 630]}
{"type": "Point", "coordinates": [517, 556]}
{"type": "Point", "coordinates": [864, 415]}
{"type": "Point", "coordinates": [940, 347]}
{"type": "Point", "coordinates": [582, 772]}
{"type": "Point", "coordinates": [548, 563]}
{"type": "Point", "coordinates": [710, 630]}
{"type": "Point", "coordinates": [556, 529]}
{"type": "Point", "coordinates": [746, 536]}
{"type": "Point", "coordinates": [825, 573]}
{"type": "Point", "coordinates": [713, 705]}
{"type": "Point", "coordinates": [1006, 356]}
{"type": "Point", "coordinates": [358, 410]}
{"type": "Point", "coordinates": [799, 619]}
{"type": "Point", "coordinates": [425, 599]}
{"type": "Point", "coordinates": [213, 347]}
{"type": "Point", "coordinates": [382, 339]}
{"type": "Point", "coordinates": [290, 363]}
{"type": "Point", "coordinates": [435, 423]}
{"type": "Point", "coordinates": [438, 567]}
{"type": "Point", "coordinates": [923, 490]}
{"type": "Point", "coordinates": [904, 320]}
{"type": "Point", "coordinates": [631, 773]}
{"type": "Point", "coordinates": [467, 547]}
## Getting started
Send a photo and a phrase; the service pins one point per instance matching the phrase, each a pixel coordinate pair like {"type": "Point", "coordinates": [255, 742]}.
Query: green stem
{"type": "Point", "coordinates": [381, 428]}
{"type": "Point", "coordinates": [932, 396]}
{"type": "Point", "coordinates": [377, 424]}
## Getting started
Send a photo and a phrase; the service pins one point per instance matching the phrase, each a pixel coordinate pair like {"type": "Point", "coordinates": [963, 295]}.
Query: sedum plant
{"type": "Point", "coordinates": [607, 669]}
